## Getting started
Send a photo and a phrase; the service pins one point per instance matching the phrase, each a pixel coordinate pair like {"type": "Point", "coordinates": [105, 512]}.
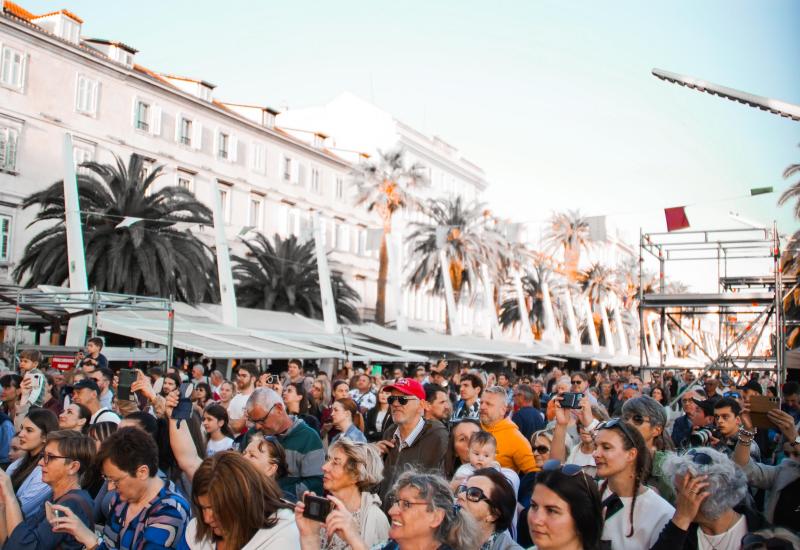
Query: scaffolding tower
{"type": "Point", "coordinates": [745, 306]}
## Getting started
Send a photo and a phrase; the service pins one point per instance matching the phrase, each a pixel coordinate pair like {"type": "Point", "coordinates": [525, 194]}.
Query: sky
{"type": "Point", "coordinates": [554, 100]}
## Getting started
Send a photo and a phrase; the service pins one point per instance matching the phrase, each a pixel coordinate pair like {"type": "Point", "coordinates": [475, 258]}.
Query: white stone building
{"type": "Point", "coordinates": [54, 81]}
{"type": "Point", "coordinates": [355, 125]}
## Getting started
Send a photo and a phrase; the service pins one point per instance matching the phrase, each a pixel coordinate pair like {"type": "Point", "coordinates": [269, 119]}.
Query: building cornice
{"type": "Point", "coordinates": [31, 31]}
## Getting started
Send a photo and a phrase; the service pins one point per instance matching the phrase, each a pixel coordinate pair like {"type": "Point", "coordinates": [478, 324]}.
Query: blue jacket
{"type": "Point", "coordinates": [529, 420]}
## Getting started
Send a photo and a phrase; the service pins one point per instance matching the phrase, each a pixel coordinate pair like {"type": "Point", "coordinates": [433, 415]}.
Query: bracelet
{"type": "Point", "coordinates": [745, 441]}
{"type": "Point", "coordinates": [743, 431]}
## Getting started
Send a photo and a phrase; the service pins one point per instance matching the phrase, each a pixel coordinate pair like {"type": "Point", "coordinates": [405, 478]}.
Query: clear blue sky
{"type": "Point", "coordinates": [554, 99]}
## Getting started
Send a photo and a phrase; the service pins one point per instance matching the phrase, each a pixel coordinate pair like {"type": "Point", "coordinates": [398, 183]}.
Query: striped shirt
{"type": "Point", "coordinates": [412, 437]}
{"type": "Point", "coordinates": [304, 459]}
{"type": "Point", "coordinates": [157, 527]}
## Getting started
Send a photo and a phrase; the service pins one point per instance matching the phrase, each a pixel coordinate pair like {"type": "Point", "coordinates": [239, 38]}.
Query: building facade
{"type": "Point", "coordinates": [53, 82]}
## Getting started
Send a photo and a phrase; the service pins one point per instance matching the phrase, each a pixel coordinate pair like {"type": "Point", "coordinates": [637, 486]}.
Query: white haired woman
{"type": "Point", "coordinates": [716, 487]}
{"type": "Point", "coordinates": [351, 470]}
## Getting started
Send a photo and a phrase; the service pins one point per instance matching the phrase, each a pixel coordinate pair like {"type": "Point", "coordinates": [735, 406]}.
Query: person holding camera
{"type": "Point", "coordinates": [33, 382]}
{"type": "Point", "coordinates": [66, 457]}
{"type": "Point", "coordinates": [351, 470]}
{"type": "Point", "coordinates": [782, 482]}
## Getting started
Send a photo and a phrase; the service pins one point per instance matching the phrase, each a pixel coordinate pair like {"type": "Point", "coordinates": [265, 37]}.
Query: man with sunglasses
{"type": "Point", "coordinates": [412, 442]}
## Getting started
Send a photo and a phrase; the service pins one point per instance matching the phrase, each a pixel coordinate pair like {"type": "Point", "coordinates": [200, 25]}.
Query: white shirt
{"type": "Point", "coordinates": [582, 459]}
{"type": "Point", "coordinates": [218, 446]}
{"type": "Point", "coordinates": [650, 515]}
{"type": "Point", "coordinates": [104, 415]}
{"type": "Point", "coordinates": [237, 406]}
{"type": "Point", "coordinates": [729, 540]}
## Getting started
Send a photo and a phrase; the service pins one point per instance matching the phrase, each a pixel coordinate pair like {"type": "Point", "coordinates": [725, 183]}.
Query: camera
{"type": "Point", "coordinates": [570, 400]}
{"type": "Point", "coordinates": [703, 436]}
{"type": "Point", "coordinates": [316, 508]}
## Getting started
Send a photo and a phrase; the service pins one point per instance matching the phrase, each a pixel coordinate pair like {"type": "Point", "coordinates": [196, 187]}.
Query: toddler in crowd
{"type": "Point", "coordinates": [483, 454]}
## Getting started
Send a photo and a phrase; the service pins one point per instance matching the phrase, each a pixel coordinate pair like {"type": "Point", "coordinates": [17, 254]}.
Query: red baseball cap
{"type": "Point", "coordinates": [408, 386]}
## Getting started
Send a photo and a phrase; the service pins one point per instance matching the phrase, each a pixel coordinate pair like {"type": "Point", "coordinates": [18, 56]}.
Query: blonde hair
{"type": "Point", "coordinates": [363, 462]}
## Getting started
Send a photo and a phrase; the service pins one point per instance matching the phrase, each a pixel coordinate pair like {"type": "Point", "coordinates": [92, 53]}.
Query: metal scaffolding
{"type": "Point", "coordinates": [92, 302]}
{"type": "Point", "coordinates": [745, 306]}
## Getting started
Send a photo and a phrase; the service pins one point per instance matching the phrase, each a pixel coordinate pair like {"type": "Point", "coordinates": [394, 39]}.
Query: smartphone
{"type": "Point", "coordinates": [52, 513]}
{"type": "Point", "coordinates": [316, 508]}
{"type": "Point", "coordinates": [570, 400]}
{"type": "Point", "coordinates": [377, 370]}
{"type": "Point", "coordinates": [126, 378]}
{"type": "Point", "coordinates": [184, 409]}
{"type": "Point", "coordinates": [760, 405]}
{"type": "Point", "coordinates": [37, 389]}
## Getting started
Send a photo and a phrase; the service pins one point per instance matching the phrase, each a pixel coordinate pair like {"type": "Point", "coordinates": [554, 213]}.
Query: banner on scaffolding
{"type": "Point", "coordinates": [676, 218]}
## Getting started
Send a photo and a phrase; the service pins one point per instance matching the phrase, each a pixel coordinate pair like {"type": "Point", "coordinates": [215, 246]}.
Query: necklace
{"type": "Point", "coordinates": [722, 541]}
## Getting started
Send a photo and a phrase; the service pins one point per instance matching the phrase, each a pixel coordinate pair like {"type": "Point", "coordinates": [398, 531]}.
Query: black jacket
{"type": "Point", "coordinates": [674, 538]}
{"type": "Point", "coordinates": [376, 433]}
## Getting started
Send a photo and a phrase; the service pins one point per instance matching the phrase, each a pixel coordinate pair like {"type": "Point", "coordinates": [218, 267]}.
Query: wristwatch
{"type": "Point", "coordinates": [796, 442]}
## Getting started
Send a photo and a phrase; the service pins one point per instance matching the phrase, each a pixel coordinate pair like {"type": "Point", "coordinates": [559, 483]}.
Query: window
{"type": "Point", "coordinates": [225, 201]}
{"type": "Point", "coordinates": [255, 211]}
{"type": "Point", "coordinates": [87, 95]}
{"type": "Point", "coordinates": [288, 169]}
{"type": "Point", "coordinates": [339, 187]}
{"type": "Point", "coordinates": [259, 158]}
{"type": "Point", "coordinates": [82, 151]}
{"type": "Point", "coordinates": [315, 180]}
{"type": "Point", "coordinates": [343, 238]}
{"type": "Point", "coordinates": [5, 238]}
{"type": "Point", "coordinates": [9, 139]}
{"type": "Point", "coordinates": [185, 135]}
{"type": "Point", "coordinates": [142, 116]}
{"type": "Point", "coordinates": [12, 68]}
{"type": "Point", "coordinates": [70, 30]}
{"type": "Point", "coordinates": [223, 145]}
{"type": "Point", "coordinates": [185, 180]}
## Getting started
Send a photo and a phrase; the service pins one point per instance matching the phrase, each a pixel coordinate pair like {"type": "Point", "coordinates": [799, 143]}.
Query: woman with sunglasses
{"type": "Point", "coordinates": [565, 511]}
{"type": "Point", "coordinates": [717, 519]}
{"type": "Point", "coordinates": [649, 417]}
{"type": "Point", "coordinates": [634, 514]}
{"type": "Point", "coordinates": [489, 497]}
{"type": "Point", "coordinates": [65, 458]}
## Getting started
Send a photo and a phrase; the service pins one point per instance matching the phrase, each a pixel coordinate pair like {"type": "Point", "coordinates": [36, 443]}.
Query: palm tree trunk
{"type": "Point", "coordinates": [383, 274]}
{"type": "Point", "coordinates": [572, 257]}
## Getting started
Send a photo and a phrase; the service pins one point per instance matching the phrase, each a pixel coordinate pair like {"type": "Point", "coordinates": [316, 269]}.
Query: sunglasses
{"type": "Point", "coordinates": [636, 419]}
{"type": "Point", "coordinates": [571, 470]}
{"type": "Point", "coordinates": [732, 394]}
{"type": "Point", "coordinates": [752, 541]}
{"type": "Point", "coordinates": [577, 382]}
{"type": "Point", "coordinates": [618, 423]}
{"type": "Point", "coordinates": [401, 399]}
{"type": "Point", "coordinates": [541, 449]}
{"type": "Point", "coordinates": [473, 494]}
{"type": "Point", "coordinates": [699, 457]}
{"type": "Point", "coordinates": [630, 387]}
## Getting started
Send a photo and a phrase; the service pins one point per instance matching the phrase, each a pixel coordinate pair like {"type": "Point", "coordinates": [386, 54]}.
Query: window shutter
{"type": "Point", "coordinates": [197, 135]}
{"type": "Point", "coordinates": [295, 172]}
{"type": "Point", "coordinates": [133, 111]}
{"type": "Point", "coordinates": [215, 152]}
{"type": "Point", "coordinates": [234, 148]}
{"type": "Point", "coordinates": [23, 72]}
{"type": "Point", "coordinates": [156, 116]}
{"type": "Point", "coordinates": [301, 179]}
{"type": "Point", "coordinates": [95, 104]}
{"type": "Point", "coordinates": [3, 147]}
{"type": "Point", "coordinates": [178, 124]}
{"type": "Point", "coordinates": [11, 149]}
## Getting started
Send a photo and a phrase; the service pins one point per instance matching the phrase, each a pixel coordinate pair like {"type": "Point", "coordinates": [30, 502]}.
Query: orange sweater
{"type": "Point", "coordinates": [513, 450]}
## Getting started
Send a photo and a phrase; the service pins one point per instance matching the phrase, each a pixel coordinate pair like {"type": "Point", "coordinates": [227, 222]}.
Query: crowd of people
{"type": "Point", "coordinates": [434, 456]}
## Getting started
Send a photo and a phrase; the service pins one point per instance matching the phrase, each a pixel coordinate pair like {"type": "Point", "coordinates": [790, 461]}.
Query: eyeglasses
{"type": "Point", "coordinates": [262, 419]}
{"type": "Point", "coordinates": [114, 481]}
{"type": "Point", "coordinates": [699, 457]}
{"type": "Point", "coordinates": [636, 419]}
{"type": "Point", "coordinates": [401, 399]}
{"type": "Point", "coordinates": [541, 449]}
{"type": "Point", "coordinates": [47, 457]}
{"type": "Point", "coordinates": [473, 494]}
{"type": "Point", "coordinates": [402, 503]}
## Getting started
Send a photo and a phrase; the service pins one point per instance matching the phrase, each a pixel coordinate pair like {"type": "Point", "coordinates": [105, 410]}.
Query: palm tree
{"type": "Point", "coordinates": [461, 231]}
{"type": "Point", "coordinates": [569, 232]}
{"type": "Point", "coordinates": [385, 186]}
{"type": "Point", "coordinates": [151, 257]}
{"type": "Point", "coordinates": [598, 284]}
{"type": "Point", "coordinates": [533, 284]}
{"type": "Point", "coordinates": [793, 192]}
{"type": "Point", "coordinates": [282, 276]}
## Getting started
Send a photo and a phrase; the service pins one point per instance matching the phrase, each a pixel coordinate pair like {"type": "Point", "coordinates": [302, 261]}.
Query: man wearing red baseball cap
{"type": "Point", "coordinates": [412, 441]}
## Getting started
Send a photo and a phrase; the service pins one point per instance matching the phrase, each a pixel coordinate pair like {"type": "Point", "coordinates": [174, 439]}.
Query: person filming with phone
{"type": "Point", "coordinates": [66, 457]}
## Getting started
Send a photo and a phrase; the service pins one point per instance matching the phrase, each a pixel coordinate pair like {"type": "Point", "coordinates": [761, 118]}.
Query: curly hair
{"type": "Point", "coordinates": [363, 462]}
{"type": "Point", "coordinates": [727, 482]}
